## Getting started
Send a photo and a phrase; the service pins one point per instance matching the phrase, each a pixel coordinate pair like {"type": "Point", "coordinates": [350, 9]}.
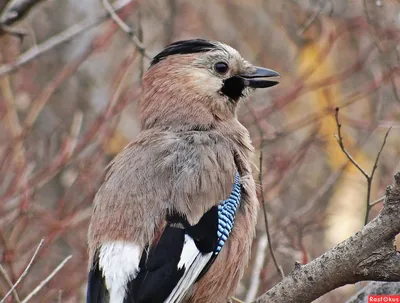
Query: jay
{"type": "Point", "coordinates": [175, 216]}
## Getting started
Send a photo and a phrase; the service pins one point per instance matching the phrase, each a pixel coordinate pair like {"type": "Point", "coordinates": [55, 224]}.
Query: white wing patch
{"type": "Point", "coordinates": [189, 253]}
{"type": "Point", "coordinates": [194, 262]}
{"type": "Point", "coordinates": [119, 262]}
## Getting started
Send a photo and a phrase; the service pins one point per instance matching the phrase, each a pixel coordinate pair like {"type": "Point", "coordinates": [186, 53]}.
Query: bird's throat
{"type": "Point", "coordinates": [233, 88]}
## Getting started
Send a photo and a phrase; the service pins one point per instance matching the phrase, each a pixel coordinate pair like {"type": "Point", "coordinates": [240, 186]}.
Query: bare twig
{"type": "Point", "coordinates": [383, 55]}
{"type": "Point", "coordinates": [41, 100]}
{"type": "Point", "coordinates": [380, 151]}
{"type": "Point", "coordinates": [48, 278]}
{"type": "Point", "coordinates": [12, 120]}
{"type": "Point", "coordinates": [234, 299]}
{"type": "Point", "coordinates": [170, 22]}
{"type": "Point", "coordinates": [278, 267]}
{"type": "Point", "coordinates": [368, 177]}
{"type": "Point", "coordinates": [257, 267]}
{"type": "Point", "coordinates": [3, 4]}
{"type": "Point", "coordinates": [48, 172]}
{"type": "Point", "coordinates": [63, 157]}
{"type": "Point", "coordinates": [369, 205]}
{"type": "Point", "coordinates": [339, 138]}
{"type": "Point", "coordinates": [59, 297]}
{"type": "Point", "coordinates": [16, 11]}
{"type": "Point", "coordinates": [19, 33]}
{"type": "Point", "coordinates": [58, 39]}
{"type": "Point", "coordinates": [24, 273]}
{"type": "Point", "coordinates": [142, 54]}
{"type": "Point", "coordinates": [313, 202]}
{"type": "Point", "coordinates": [312, 18]}
{"type": "Point", "coordinates": [126, 28]}
{"type": "Point", "coordinates": [377, 201]}
{"type": "Point", "coordinates": [10, 284]}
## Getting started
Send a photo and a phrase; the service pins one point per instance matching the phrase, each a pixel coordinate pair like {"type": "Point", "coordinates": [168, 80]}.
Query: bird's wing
{"type": "Point", "coordinates": [184, 252]}
{"type": "Point", "coordinates": [96, 290]}
{"type": "Point", "coordinates": [192, 262]}
{"type": "Point", "coordinates": [158, 221]}
{"type": "Point", "coordinates": [167, 270]}
{"type": "Point", "coordinates": [116, 264]}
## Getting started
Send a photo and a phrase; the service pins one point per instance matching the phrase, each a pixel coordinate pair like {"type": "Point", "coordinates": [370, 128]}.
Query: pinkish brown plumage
{"type": "Point", "coordinates": [158, 204]}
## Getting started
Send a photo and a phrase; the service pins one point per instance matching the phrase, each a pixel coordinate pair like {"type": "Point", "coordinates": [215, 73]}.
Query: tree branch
{"type": "Point", "coordinates": [277, 266]}
{"type": "Point", "coordinates": [14, 12]}
{"type": "Point", "coordinates": [46, 280]}
{"type": "Point", "coordinates": [375, 288]}
{"type": "Point", "coordinates": [126, 28]}
{"type": "Point", "coordinates": [60, 38]}
{"type": "Point", "coordinates": [368, 177]}
{"type": "Point", "coordinates": [24, 273]}
{"type": "Point", "coordinates": [369, 254]}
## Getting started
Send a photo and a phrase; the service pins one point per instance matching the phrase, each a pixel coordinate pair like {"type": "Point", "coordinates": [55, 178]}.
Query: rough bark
{"type": "Point", "coordinates": [370, 254]}
{"type": "Point", "coordinates": [375, 288]}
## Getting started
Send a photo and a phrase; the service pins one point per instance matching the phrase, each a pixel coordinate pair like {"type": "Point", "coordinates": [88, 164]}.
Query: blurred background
{"type": "Point", "coordinates": [69, 88]}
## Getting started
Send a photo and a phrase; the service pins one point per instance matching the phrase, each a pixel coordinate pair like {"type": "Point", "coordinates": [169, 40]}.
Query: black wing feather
{"type": "Point", "coordinates": [159, 272]}
{"type": "Point", "coordinates": [96, 291]}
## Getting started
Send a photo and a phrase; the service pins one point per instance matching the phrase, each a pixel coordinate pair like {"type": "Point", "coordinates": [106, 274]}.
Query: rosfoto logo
{"type": "Point", "coordinates": [384, 299]}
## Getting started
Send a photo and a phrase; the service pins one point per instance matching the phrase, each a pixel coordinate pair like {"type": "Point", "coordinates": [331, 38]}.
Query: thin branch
{"type": "Point", "coordinates": [278, 267]}
{"type": "Point", "coordinates": [126, 28]}
{"type": "Point", "coordinates": [58, 39]}
{"type": "Point", "coordinates": [170, 22]}
{"type": "Point", "coordinates": [43, 98]}
{"type": "Point", "coordinates": [312, 18]}
{"type": "Point", "coordinates": [339, 138]}
{"type": "Point", "coordinates": [140, 37]}
{"type": "Point", "coordinates": [380, 151]}
{"type": "Point", "coordinates": [48, 278]}
{"type": "Point", "coordinates": [369, 177]}
{"type": "Point", "coordinates": [234, 299]}
{"type": "Point", "coordinates": [254, 283]}
{"type": "Point", "coordinates": [25, 271]}
{"type": "Point", "coordinates": [383, 55]}
{"type": "Point", "coordinates": [369, 180]}
{"type": "Point", "coordinates": [63, 157]}
{"type": "Point", "coordinates": [377, 201]}
{"type": "Point", "coordinates": [3, 4]}
{"type": "Point", "coordinates": [13, 121]}
{"type": "Point", "coordinates": [16, 11]}
{"type": "Point", "coordinates": [17, 32]}
{"type": "Point", "coordinates": [10, 284]}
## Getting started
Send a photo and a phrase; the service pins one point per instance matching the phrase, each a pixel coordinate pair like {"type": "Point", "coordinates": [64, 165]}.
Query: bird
{"type": "Point", "coordinates": [174, 218]}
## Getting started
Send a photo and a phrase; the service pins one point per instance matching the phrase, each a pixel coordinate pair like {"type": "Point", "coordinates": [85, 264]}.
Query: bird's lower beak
{"type": "Point", "coordinates": [257, 79]}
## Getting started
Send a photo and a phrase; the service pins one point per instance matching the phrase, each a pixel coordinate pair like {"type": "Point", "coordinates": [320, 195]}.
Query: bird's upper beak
{"type": "Point", "coordinates": [257, 78]}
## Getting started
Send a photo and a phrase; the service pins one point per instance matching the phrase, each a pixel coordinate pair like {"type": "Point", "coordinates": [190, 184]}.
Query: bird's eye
{"type": "Point", "coordinates": [221, 67]}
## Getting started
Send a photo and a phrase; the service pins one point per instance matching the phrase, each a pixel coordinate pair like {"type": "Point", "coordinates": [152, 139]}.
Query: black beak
{"type": "Point", "coordinates": [257, 79]}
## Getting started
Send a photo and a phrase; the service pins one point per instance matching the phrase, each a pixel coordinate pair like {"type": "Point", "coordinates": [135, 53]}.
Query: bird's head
{"type": "Point", "coordinates": [197, 82]}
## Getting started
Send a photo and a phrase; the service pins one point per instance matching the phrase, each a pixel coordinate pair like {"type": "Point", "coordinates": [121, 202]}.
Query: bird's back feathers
{"type": "Point", "coordinates": [162, 172]}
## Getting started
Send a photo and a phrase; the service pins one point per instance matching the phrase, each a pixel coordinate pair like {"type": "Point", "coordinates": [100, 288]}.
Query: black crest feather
{"type": "Point", "coordinates": [184, 47]}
